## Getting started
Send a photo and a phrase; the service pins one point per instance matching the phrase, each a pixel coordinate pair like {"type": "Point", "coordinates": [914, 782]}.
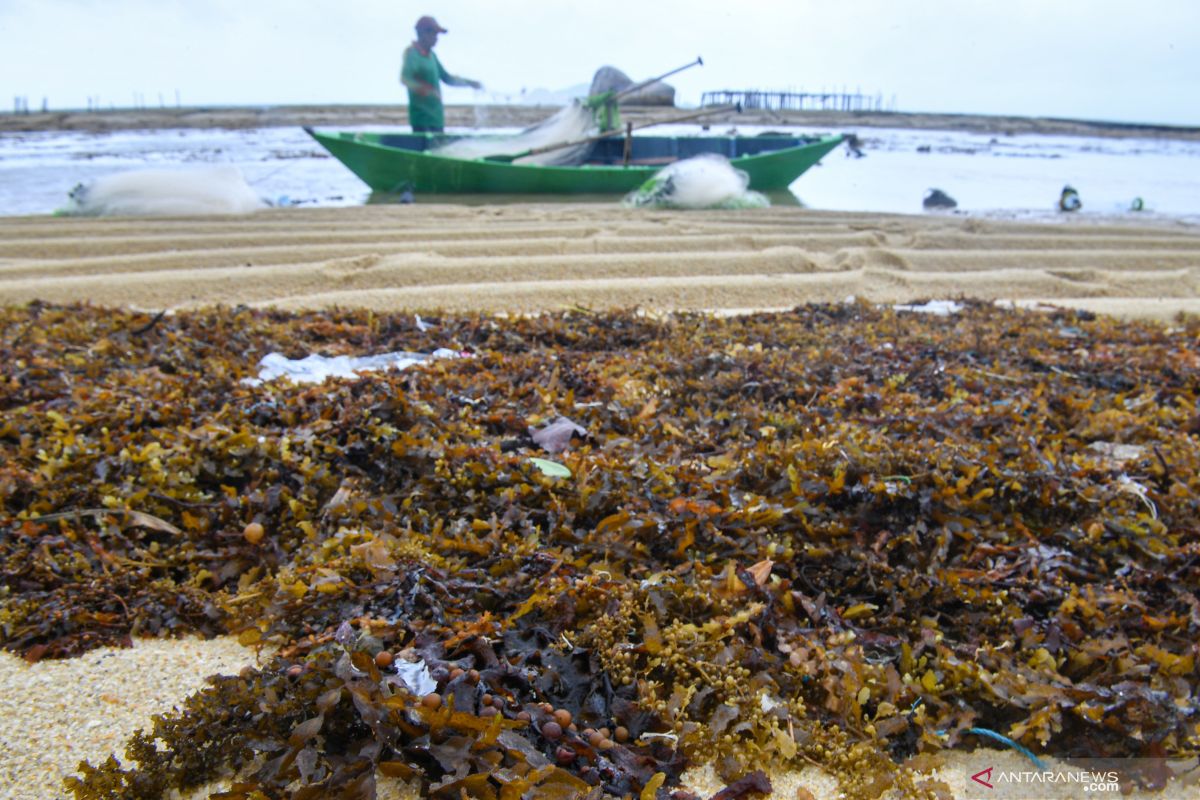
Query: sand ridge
{"type": "Point", "coordinates": [520, 258]}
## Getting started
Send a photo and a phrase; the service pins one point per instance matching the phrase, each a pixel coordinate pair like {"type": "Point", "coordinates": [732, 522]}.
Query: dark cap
{"type": "Point", "coordinates": [428, 23]}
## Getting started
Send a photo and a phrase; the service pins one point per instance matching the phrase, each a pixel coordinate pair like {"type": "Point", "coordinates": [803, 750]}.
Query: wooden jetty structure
{"type": "Point", "coordinates": [795, 101]}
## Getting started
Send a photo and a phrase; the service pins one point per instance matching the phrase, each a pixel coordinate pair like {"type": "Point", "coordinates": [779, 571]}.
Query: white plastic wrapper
{"type": "Point", "coordinates": [940, 308]}
{"type": "Point", "coordinates": [315, 368]}
{"type": "Point", "coordinates": [416, 676]}
{"type": "Point", "coordinates": [704, 181]}
{"type": "Point", "coordinates": [165, 192]}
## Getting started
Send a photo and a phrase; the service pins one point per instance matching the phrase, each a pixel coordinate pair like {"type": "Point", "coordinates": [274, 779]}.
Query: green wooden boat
{"type": "Point", "coordinates": [392, 162]}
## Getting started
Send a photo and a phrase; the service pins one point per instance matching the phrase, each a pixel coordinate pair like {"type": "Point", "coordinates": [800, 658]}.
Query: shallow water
{"type": "Point", "coordinates": [37, 170]}
{"type": "Point", "coordinates": [1006, 176]}
{"type": "Point", "coordinates": [1020, 176]}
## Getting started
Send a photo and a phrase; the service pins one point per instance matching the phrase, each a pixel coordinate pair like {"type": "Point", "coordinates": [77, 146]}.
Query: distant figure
{"type": "Point", "coordinates": [936, 199]}
{"type": "Point", "coordinates": [1069, 200]}
{"type": "Point", "coordinates": [853, 146]}
{"type": "Point", "coordinates": [423, 76]}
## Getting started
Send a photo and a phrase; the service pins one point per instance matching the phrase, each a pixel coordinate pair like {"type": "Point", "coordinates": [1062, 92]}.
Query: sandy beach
{"type": "Point", "coordinates": [111, 699]}
{"type": "Point", "coordinates": [525, 258]}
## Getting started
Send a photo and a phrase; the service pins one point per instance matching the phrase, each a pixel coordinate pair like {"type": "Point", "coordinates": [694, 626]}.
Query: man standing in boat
{"type": "Point", "coordinates": [423, 76]}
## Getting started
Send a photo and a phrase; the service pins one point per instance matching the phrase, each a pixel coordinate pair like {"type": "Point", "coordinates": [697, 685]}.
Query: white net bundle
{"type": "Point", "coordinates": [704, 181]}
{"type": "Point", "coordinates": [570, 123]}
{"type": "Point", "coordinates": [165, 192]}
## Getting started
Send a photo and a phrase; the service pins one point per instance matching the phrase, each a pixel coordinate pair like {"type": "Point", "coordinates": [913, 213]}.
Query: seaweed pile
{"type": "Point", "coordinates": [603, 546]}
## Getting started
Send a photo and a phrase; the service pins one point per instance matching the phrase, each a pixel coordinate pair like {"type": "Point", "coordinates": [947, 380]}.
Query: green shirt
{"type": "Point", "coordinates": [423, 75]}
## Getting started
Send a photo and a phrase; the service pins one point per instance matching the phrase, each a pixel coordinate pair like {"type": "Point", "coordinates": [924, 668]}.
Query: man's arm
{"type": "Point", "coordinates": [455, 80]}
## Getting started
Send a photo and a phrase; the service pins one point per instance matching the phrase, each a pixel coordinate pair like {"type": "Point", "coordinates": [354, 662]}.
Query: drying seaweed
{"type": "Point", "coordinates": [603, 546]}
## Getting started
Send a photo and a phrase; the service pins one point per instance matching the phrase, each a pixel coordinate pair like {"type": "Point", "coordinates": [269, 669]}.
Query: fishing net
{"type": "Point", "coordinates": [611, 79]}
{"type": "Point", "coordinates": [165, 192]}
{"type": "Point", "coordinates": [570, 123]}
{"type": "Point", "coordinates": [704, 181]}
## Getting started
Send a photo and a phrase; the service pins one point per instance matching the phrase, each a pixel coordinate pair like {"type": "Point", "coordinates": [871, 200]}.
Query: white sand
{"type": "Point", "coordinates": [523, 258]}
{"type": "Point", "coordinates": [55, 713]}
{"type": "Point", "coordinates": [533, 257]}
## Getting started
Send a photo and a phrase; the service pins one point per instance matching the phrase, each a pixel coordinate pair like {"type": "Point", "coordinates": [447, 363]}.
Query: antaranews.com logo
{"type": "Point", "coordinates": [992, 775]}
{"type": "Point", "coordinates": [1084, 780]}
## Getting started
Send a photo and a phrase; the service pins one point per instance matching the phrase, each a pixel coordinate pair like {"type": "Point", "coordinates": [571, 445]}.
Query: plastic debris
{"type": "Point", "coordinates": [556, 437]}
{"type": "Point", "coordinates": [316, 368]}
{"type": "Point", "coordinates": [551, 468]}
{"type": "Point", "coordinates": [941, 308]}
{"type": "Point", "coordinates": [1007, 742]}
{"type": "Point", "coordinates": [416, 676]}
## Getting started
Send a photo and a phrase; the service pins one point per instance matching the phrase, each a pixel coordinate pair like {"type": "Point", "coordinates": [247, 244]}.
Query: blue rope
{"type": "Point", "coordinates": [991, 734]}
{"type": "Point", "coordinates": [1037, 762]}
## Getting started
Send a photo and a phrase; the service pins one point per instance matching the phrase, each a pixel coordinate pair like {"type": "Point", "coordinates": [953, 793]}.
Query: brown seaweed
{"type": "Point", "coordinates": [840, 535]}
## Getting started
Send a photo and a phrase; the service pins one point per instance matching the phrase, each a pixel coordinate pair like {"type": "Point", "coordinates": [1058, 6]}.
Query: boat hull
{"type": "Point", "coordinates": [391, 163]}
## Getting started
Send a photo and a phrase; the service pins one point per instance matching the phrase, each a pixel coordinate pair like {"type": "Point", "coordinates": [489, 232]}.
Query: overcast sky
{"type": "Point", "coordinates": [1087, 59]}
